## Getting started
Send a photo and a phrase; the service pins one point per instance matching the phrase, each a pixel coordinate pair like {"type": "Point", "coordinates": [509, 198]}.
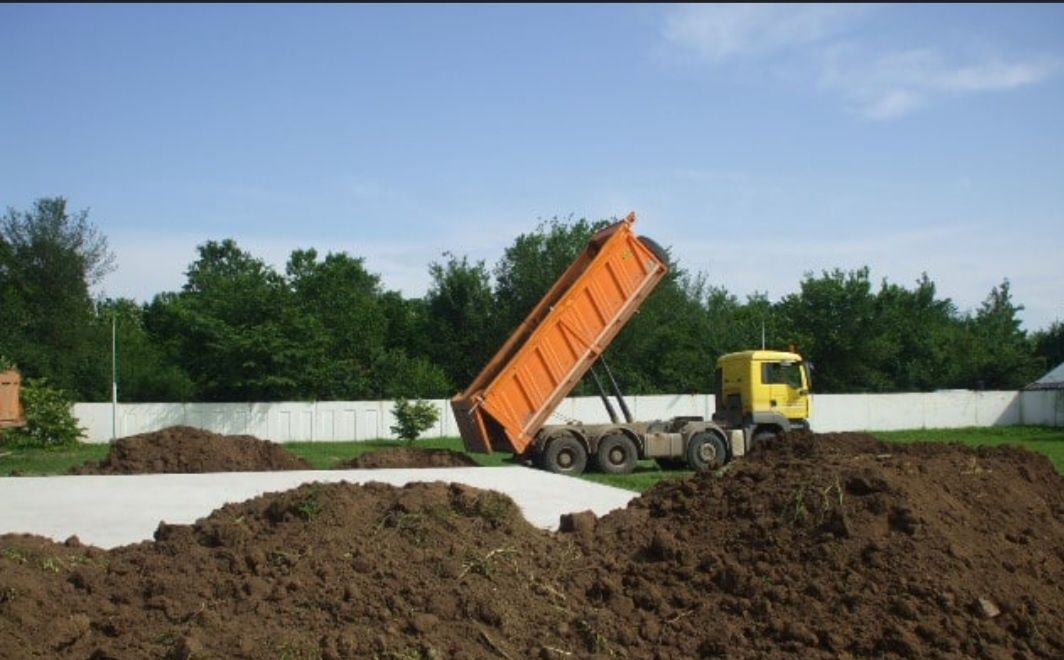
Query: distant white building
{"type": "Point", "coordinates": [1054, 380]}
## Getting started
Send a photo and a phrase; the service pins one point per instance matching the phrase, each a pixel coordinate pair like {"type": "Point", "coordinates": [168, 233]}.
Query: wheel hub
{"type": "Point", "coordinates": [707, 453]}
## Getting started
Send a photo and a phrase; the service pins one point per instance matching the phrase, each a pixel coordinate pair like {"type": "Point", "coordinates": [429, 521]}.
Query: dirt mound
{"type": "Point", "coordinates": [409, 457]}
{"type": "Point", "coordinates": [337, 570]}
{"type": "Point", "coordinates": [839, 544]}
{"type": "Point", "coordinates": [187, 449]}
{"type": "Point", "coordinates": [825, 546]}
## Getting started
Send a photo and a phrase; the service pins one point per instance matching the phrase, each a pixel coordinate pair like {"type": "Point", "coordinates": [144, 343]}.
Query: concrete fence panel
{"type": "Point", "coordinates": [331, 421]}
{"type": "Point", "coordinates": [1042, 407]}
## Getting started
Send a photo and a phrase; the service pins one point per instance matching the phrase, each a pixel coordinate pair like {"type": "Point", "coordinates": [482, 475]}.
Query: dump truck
{"type": "Point", "coordinates": [507, 406]}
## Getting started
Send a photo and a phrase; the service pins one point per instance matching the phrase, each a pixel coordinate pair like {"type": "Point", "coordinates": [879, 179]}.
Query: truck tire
{"type": "Point", "coordinates": [616, 454]}
{"type": "Point", "coordinates": [705, 451]}
{"type": "Point", "coordinates": [564, 455]}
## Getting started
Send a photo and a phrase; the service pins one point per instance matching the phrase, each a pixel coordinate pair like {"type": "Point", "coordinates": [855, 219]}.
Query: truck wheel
{"type": "Point", "coordinates": [705, 451]}
{"type": "Point", "coordinates": [616, 454]}
{"type": "Point", "coordinates": [565, 455]}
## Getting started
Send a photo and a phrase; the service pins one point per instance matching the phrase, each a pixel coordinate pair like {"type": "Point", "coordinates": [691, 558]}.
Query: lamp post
{"type": "Point", "coordinates": [114, 377]}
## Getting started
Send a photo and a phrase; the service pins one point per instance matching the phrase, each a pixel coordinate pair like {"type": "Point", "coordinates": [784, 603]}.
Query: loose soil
{"type": "Point", "coordinates": [829, 545]}
{"type": "Point", "coordinates": [409, 457]}
{"type": "Point", "coordinates": [187, 449]}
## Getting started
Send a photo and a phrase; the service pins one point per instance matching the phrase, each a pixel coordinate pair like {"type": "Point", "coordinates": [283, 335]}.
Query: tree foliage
{"type": "Point", "coordinates": [50, 422]}
{"type": "Point", "coordinates": [244, 332]}
{"type": "Point", "coordinates": [1049, 345]}
{"type": "Point", "coordinates": [462, 322]}
{"type": "Point", "coordinates": [145, 371]}
{"type": "Point", "coordinates": [325, 329]}
{"type": "Point", "coordinates": [231, 326]}
{"type": "Point", "coordinates": [49, 259]}
{"type": "Point", "coordinates": [999, 353]}
{"type": "Point", "coordinates": [412, 418]}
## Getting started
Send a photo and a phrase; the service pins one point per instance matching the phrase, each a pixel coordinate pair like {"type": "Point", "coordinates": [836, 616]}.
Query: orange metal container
{"type": "Point", "coordinates": [548, 354]}
{"type": "Point", "coordinates": [10, 406]}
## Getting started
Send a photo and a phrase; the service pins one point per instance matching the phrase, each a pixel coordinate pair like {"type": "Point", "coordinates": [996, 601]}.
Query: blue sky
{"type": "Point", "coordinates": [758, 142]}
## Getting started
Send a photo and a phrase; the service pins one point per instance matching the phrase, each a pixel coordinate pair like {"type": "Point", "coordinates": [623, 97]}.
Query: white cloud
{"type": "Point", "coordinates": [721, 32]}
{"type": "Point", "coordinates": [879, 85]}
{"type": "Point", "coordinates": [893, 84]}
{"type": "Point", "coordinates": [893, 103]}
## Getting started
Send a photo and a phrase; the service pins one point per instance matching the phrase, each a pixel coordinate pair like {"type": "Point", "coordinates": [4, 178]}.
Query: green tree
{"type": "Point", "coordinates": [342, 324]}
{"type": "Point", "coordinates": [461, 313]}
{"type": "Point", "coordinates": [145, 372]}
{"type": "Point", "coordinates": [1049, 344]}
{"type": "Point", "coordinates": [232, 327]}
{"type": "Point", "coordinates": [50, 421]}
{"type": "Point", "coordinates": [412, 418]}
{"type": "Point", "coordinates": [396, 374]}
{"type": "Point", "coordinates": [359, 338]}
{"type": "Point", "coordinates": [920, 333]}
{"type": "Point", "coordinates": [998, 354]}
{"type": "Point", "coordinates": [49, 260]}
{"type": "Point", "coordinates": [738, 326]}
{"type": "Point", "coordinates": [408, 324]}
{"type": "Point", "coordinates": [835, 322]}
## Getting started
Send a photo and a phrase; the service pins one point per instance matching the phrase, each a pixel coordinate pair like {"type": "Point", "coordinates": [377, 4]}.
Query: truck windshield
{"type": "Point", "coordinates": [782, 373]}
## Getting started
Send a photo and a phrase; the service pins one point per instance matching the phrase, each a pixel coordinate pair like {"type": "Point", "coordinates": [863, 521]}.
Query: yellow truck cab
{"type": "Point", "coordinates": [762, 392]}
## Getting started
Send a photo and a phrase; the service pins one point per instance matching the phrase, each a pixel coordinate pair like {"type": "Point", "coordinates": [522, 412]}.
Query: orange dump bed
{"type": "Point", "coordinates": [548, 354]}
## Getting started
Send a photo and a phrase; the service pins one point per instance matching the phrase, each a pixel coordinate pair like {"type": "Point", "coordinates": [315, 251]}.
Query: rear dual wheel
{"type": "Point", "coordinates": [564, 455]}
{"type": "Point", "coordinates": [617, 454]}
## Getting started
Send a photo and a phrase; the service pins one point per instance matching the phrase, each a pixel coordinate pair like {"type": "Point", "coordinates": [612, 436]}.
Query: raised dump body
{"type": "Point", "coordinates": [548, 354]}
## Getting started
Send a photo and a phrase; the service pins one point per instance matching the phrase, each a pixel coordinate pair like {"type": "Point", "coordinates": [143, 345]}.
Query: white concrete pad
{"type": "Point", "coordinates": [109, 511]}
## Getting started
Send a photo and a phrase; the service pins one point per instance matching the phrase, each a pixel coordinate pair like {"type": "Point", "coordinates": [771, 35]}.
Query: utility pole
{"type": "Point", "coordinates": [114, 377]}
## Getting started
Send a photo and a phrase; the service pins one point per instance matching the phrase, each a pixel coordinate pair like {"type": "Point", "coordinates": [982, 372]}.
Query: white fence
{"type": "Point", "coordinates": [330, 421]}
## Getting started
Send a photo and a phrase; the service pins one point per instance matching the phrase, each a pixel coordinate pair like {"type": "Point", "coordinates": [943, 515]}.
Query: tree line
{"type": "Point", "coordinates": [325, 328]}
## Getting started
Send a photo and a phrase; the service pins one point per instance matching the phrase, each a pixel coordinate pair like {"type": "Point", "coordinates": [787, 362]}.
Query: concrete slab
{"type": "Point", "coordinates": [109, 511]}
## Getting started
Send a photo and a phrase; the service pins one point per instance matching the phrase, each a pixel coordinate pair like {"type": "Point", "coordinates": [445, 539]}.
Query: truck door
{"type": "Point", "coordinates": [788, 390]}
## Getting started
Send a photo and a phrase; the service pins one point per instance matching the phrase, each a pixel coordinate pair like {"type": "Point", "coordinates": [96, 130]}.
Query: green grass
{"type": "Point", "coordinates": [33, 462]}
{"type": "Point", "coordinates": [326, 455]}
{"type": "Point", "coordinates": [1042, 439]}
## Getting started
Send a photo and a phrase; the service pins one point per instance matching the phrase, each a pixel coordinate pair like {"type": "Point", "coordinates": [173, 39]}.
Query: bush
{"type": "Point", "coordinates": [50, 421]}
{"type": "Point", "coordinates": [412, 418]}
